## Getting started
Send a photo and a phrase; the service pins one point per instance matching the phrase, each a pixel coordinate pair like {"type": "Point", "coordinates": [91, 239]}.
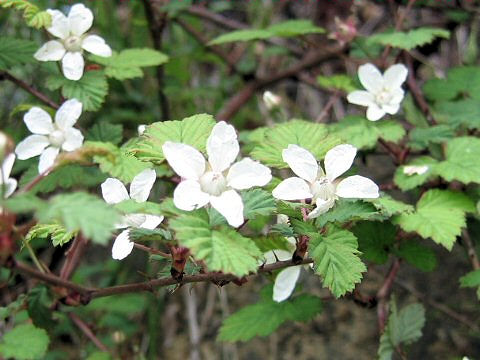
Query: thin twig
{"type": "Point", "coordinates": [73, 255]}
{"type": "Point", "coordinates": [384, 293]}
{"type": "Point", "coordinates": [41, 96]}
{"type": "Point", "coordinates": [87, 331]}
{"type": "Point", "coordinates": [35, 181]}
{"type": "Point", "coordinates": [152, 250]}
{"type": "Point", "coordinates": [472, 253]}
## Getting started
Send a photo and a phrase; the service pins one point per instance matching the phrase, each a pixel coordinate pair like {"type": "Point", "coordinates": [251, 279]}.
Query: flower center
{"type": "Point", "coordinates": [73, 43]}
{"type": "Point", "coordinates": [323, 189]}
{"type": "Point", "coordinates": [56, 138]}
{"type": "Point", "coordinates": [383, 97]}
{"type": "Point", "coordinates": [213, 183]}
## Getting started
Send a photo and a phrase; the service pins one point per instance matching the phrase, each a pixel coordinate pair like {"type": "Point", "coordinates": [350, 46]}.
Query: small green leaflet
{"type": "Point", "coordinates": [410, 39]}
{"type": "Point", "coordinates": [420, 138]}
{"type": "Point", "coordinates": [222, 250]}
{"type": "Point", "coordinates": [264, 317]}
{"type": "Point", "coordinates": [417, 255]}
{"type": "Point", "coordinates": [404, 327]}
{"type": "Point", "coordinates": [24, 342]}
{"type": "Point", "coordinates": [57, 232]}
{"type": "Point", "coordinates": [440, 215]}
{"type": "Point", "coordinates": [375, 240]}
{"type": "Point", "coordinates": [347, 210]}
{"type": "Point", "coordinates": [388, 206]}
{"type": "Point", "coordinates": [105, 131]}
{"type": "Point", "coordinates": [409, 182]}
{"type": "Point", "coordinates": [31, 13]}
{"type": "Point", "coordinates": [472, 279]}
{"type": "Point", "coordinates": [311, 136]}
{"type": "Point", "coordinates": [193, 131]}
{"type": "Point", "coordinates": [340, 82]}
{"type": "Point", "coordinates": [257, 202]}
{"type": "Point", "coordinates": [131, 206]}
{"type": "Point", "coordinates": [460, 80]}
{"type": "Point", "coordinates": [464, 112]}
{"type": "Point", "coordinates": [128, 63]}
{"type": "Point", "coordinates": [284, 29]}
{"type": "Point", "coordinates": [336, 260]}
{"type": "Point", "coordinates": [16, 52]}
{"type": "Point", "coordinates": [90, 90]}
{"type": "Point", "coordinates": [39, 302]}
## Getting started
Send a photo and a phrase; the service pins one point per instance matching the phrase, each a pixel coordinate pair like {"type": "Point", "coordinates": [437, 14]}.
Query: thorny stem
{"type": "Point", "coordinates": [384, 293]}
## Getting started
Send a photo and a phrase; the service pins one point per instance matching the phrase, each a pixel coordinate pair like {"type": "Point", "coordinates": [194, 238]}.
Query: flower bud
{"type": "Point", "coordinates": [271, 100]}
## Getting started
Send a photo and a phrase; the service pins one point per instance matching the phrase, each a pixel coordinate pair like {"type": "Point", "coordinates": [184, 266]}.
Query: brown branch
{"type": "Point", "coordinates": [241, 97]}
{"type": "Point", "coordinates": [87, 331]}
{"type": "Point", "coordinates": [73, 255]}
{"type": "Point", "coordinates": [384, 293]}
{"type": "Point", "coordinates": [42, 97]}
{"type": "Point", "coordinates": [152, 250]}
{"type": "Point", "coordinates": [472, 253]}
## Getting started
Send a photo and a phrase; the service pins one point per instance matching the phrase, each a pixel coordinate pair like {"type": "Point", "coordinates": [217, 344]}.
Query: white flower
{"type": "Point", "coordinates": [384, 92]}
{"type": "Point", "coordinates": [113, 192]}
{"type": "Point", "coordinates": [7, 184]}
{"type": "Point", "coordinates": [214, 182]}
{"type": "Point", "coordinates": [49, 137]}
{"type": "Point", "coordinates": [73, 39]}
{"type": "Point", "coordinates": [322, 187]}
{"type": "Point", "coordinates": [141, 129]}
{"type": "Point", "coordinates": [410, 170]}
{"type": "Point", "coordinates": [271, 100]}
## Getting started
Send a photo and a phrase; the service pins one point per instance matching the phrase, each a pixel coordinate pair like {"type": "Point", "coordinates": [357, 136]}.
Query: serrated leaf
{"type": "Point", "coordinates": [193, 131]}
{"type": "Point", "coordinates": [417, 255]}
{"type": "Point", "coordinates": [412, 113]}
{"type": "Point", "coordinates": [347, 210]}
{"type": "Point", "coordinates": [128, 63]}
{"type": "Point", "coordinates": [272, 242]}
{"type": "Point", "coordinates": [340, 82]}
{"type": "Point", "coordinates": [311, 136]}
{"type": "Point", "coordinates": [131, 206]}
{"type": "Point", "coordinates": [291, 209]}
{"type": "Point", "coordinates": [23, 203]}
{"type": "Point", "coordinates": [24, 342]}
{"type": "Point", "coordinates": [460, 81]}
{"type": "Point", "coordinates": [408, 182]}
{"type": "Point", "coordinates": [106, 132]}
{"type": "Point", "coordinates": [456, 113]}
{"type": "Point", "coordinates": [39, 303]}
{"type": "Point", "coordinates": [440, 215]}
{"type": "Point", "coordinates": [82, 212]}
{"type": "Point", "coordinates": [420, 138]}
{"type": "Point", "coordinates": [55, 231]}
{"type": "Point", "coordinates": [409, 39]}
{"type": "Point", "coordinates": [375, 240]}
{"type": "Point", "coordinates": [462, 162]}
{"type": "Point", "coordinates": [472, 279]}
{"type": "Point", "coordinates": [336, 260]}
{"type": "Point", "coordinates": [31, 13]}
{"type": "Point", "coordinates": [16, 52]}
{"type": "Point", "coordinates": [388, 206]}
{"type": "Point", "coordinates": [264, 317]}
{"type": "Point", "coordinates": [141, 234]}
{"type": "Point", "coordinates": [257, 202]}
{"type": "Point", "coordinates": [283, 229]}
{"type": "Point", "coordinates": [90, 90]}
{"type": "Point", "coordinates": [222, 250]}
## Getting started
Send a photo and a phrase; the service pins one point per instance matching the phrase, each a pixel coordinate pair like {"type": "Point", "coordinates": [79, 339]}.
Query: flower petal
{"type": "Point", "coordinates": [47, 158]}
{"type": "Point", "coordinates": [38, 121]}
{"type": "Point", "coordinates": [301, 161]}
{"type": "Point", "coordinates": [31, 146]}
{"type": "Point", "coordinates": [96, 45]}
{"type": "Point", "coordinates": [395, 76]}
{"type": "Point", "coordinates": [9, 187]}
{"type": "Point", "coordinates": [184, 159]}
{"type": "Point", "coordinates": [371, 78]}
{"type": "Point", "coordinates": [189, 196]}
{"type": "Point", "coordinates": [113, 191]}
{"type": "Point", "coordinates": [142, 184]}
{"type": "Point", "coordinates": [338, 160]}
{"type": "Point", "coordinates": [391, 108]}
{"type": "Point", "coordinates": [322, 206]}
{"type": "Point", "coordinates": [248, 173]}
{"type": "Point", "coordinates": [68, 114]}
{"type": "Point", "coordinates": [60, 26]}
{"type": "Point", "coordinates": [132, 220]}
{"type": "Point", "coordinates": [122, 247]}
{"type": "Point", "coordinates": [357, 187]}
{"type": "Point", "coordinates": [374, 113]}
{"type": "Point", "coordinates": [72, 65]}
{"type": "Point", "coordinates": [273, 256]}
{"type": "Point", "coordinates": [7, 166]}
{"type": "Point", "coordinates": [285, 283]}
{"type": "Point", "coordinates": [73, 139]}
{"type": "Point", "coordinates": [80, 18]}
{"type": "Point", "coordinates": [397, 96]}
{"type": "Point", "coordinates": [360, 97]}
{"type": "Point", "coordinates": [151, 221]}
{"type": "Point", "coordinates": [52, 50]}
{"type": "Point", "coordinates": [222, 146]}
{"type": "Point", "coordinates": [230, 205]}
{"type": "Point", "coordinates": [292, 188]}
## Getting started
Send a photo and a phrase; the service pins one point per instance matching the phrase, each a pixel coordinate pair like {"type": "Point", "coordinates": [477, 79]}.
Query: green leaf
{"type": "Point", "coordinates": [31, 13]}
{"type": "Point", "coordinates": [39, 303]}
{"type": "Point", "coordinates": [420, 138]}
{"type": "Point", "coordinates": [264, 317]}
{"type": "Point", "coordinates": [407, 182]}
{"type": "Point", "coordinates": [291, 209]}
{"type": "Point", "coordinates": [440, 215]}
{"type": "Point", "coordinates": [24, 342]}
{"type": "Point", "coordinates": [456, 113]}
{"type": "Point", "coordinates": [222, 250]}
{"type": "Point", "coordinates": [311, 136]}
{"type": "Point", "coordinates": [417, 255]}
{"type": "Point", "coordinates": [463, 80]}
{"type": "Point", "coordinates": [413, 114]}
{"type": "Point", "coordinates": [410, 39]}
{"type": "Point", "coordinates": [57, 232]}
{"type": "Point", "coordinates": [257, 202]}
{"type": "Point", "coordinates": [90, 90]}
{"type": "Point", "coordinates": [388, 206]}
{"type": "Point", "coordinates": [375, 240]}
{"type": "Point", "coordinates": [404, 327]}
{"type": "Point", "coordinates": [84, 212]}
{"type": "Point", "coordinates": [336, 260]}
{"type": "Point", "coordinates": [142, 235]}
{"type": "Point", "coordinates": [131, 206]}
{"type": "Point", "coordinates": [106, 132]}
{"type": "Point", "coordinates": [340, 82]}
{"type": "Point", "coordinates": [472, 279]}
{"type": "Point", "coordinates": [272, 242]}
{"type": "Point", "coordinates": [287, 28]}
{"type": "Point", "coordinates": [193, 131]}
{"type": "Point", "coordinates": [16, 52]}
{"type": "Point", "coordinates": [348, 210]}
{"type": "Point", "coordinates": [128, 63]}
{"type": "Point", "coordinates": [462, 162]}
